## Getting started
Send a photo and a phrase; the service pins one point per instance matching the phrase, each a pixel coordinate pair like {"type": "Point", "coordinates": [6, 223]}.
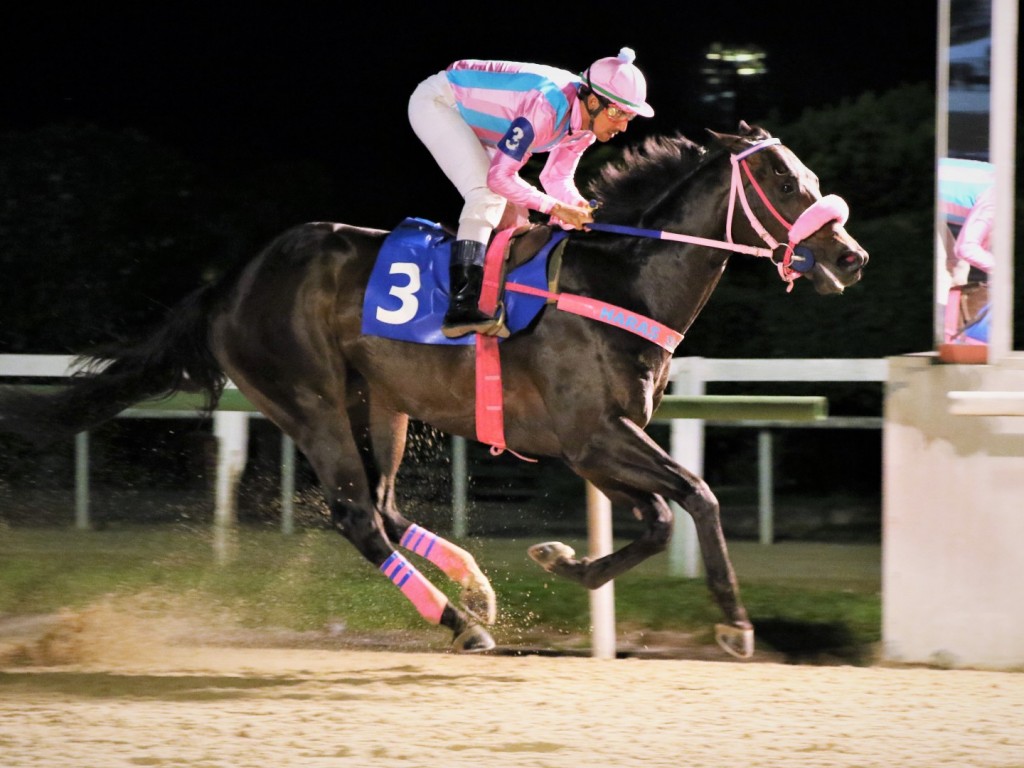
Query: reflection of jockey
{"type": "Point", "coordinates": [968, 204]}
{"type": "Point", "coordinates": [483, 120]}
{"type": "Point", "coordinates": [973, 244]}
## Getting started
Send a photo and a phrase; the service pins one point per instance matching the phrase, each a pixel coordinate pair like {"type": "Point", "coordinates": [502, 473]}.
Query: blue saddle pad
{"type": "Point", "coordinates": [407, 295]}
{"type": "Point", "coordinates": [979, 329]}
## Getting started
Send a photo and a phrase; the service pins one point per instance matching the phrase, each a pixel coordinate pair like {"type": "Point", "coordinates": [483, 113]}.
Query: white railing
{"type": "Point", "coordinates": [230, 426]}
{"type": "Point", "coordinates": [689, 377]}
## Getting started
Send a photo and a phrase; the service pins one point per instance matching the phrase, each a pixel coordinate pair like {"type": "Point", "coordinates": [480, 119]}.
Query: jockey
{"type": "Point", "coordinates": [973, 244]}
{"type": "Point", "coordinates": [483, 120]}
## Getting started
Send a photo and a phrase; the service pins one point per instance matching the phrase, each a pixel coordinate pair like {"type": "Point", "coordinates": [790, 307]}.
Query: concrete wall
{"type": "Point", "coordinates": [953, 518]}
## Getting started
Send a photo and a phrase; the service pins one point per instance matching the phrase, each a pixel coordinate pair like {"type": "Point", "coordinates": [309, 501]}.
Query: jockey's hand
{"type": "Point", "coordinates": [571, 216]}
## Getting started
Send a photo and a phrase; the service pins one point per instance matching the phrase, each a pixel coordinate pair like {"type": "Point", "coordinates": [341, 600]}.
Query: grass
{"type": "Point", "coordinates": [314, 579]}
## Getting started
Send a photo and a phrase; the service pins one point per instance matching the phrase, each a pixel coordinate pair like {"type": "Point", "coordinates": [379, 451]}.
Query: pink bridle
{"type": "Point", "coordinates": [794, 261]}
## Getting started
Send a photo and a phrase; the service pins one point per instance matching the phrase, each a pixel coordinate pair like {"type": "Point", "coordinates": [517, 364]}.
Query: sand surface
{"type": "Point", "coordinates": [104, 690]}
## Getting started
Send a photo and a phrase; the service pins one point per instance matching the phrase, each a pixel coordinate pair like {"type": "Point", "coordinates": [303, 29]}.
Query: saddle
{"type": "Point", "coordinates": [407, 294]}
{"type": "Point", "coordinates": [967, 316]}
{"type": "Point", "coordinates": [507, 251]}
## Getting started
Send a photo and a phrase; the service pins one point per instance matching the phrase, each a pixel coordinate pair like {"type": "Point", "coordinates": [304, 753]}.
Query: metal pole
{"type": "Point", "coordinates": [82, 481]}
{"type": "Point", "coordinates": [942, 280]}
{"type": "Point", "coordinates": [287, 485]}
{"type": "Point", "coordinates": [460, 527]}
{"type": "Point", "coordinates": [1002, 143]}
{"type": "Point", "coordinates": [765, 473]}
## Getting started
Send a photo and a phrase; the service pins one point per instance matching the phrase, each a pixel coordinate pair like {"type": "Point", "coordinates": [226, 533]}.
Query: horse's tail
{"type": "Point", "coordinates": [174, 358]}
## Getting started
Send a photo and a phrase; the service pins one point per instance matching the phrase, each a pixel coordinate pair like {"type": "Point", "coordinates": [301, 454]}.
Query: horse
{"type": "Point", "coordinates": [286, 329]}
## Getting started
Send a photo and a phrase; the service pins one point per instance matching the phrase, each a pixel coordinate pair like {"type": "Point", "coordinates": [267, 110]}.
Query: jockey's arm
{"type": "Point", "coordinates": [558, 177]}
{"type": "Point", "coordinates": [503, 177]}
{"type": "Point", "coordinates": [973, 242]}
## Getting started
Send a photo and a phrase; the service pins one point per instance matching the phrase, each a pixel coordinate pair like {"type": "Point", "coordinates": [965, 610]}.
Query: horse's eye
{"type": "Point", "coordinates": [787, 187]}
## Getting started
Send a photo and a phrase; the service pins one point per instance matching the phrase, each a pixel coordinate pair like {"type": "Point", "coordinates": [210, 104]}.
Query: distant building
{"type": "Point", "coordinates": [730, 80]}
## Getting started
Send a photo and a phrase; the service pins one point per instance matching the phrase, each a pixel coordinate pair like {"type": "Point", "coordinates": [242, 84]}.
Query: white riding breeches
{"type": "Point", "coordinates": [464, 159]}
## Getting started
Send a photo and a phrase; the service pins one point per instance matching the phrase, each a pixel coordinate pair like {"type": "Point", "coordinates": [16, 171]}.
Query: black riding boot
{"type": "Point", "coordinates": [466, 276]}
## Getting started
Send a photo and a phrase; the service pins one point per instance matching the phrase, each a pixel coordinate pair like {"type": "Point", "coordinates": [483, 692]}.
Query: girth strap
{"type": "Point", "coordinates": [490, 416]}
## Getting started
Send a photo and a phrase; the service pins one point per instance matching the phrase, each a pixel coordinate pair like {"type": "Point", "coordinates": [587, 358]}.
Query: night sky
{"type": "Point", "coordinates": [329, 83]}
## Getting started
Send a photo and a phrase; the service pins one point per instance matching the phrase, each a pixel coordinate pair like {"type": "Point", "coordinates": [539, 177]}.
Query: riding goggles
{"type": "Point", "coordinates": [617, 114]}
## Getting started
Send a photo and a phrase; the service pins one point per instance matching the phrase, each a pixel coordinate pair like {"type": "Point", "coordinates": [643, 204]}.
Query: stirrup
{"type": "Point", "coordinates": [498, 327]}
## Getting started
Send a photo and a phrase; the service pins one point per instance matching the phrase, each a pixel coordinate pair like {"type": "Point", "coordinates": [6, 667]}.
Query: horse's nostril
{"type": "Point", "coordinates": [853, 259]}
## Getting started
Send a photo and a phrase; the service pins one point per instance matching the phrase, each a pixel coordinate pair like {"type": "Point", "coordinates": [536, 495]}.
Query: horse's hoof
{"type": "Point", "coordinates": [475, 639]}
{"type": "Point", "coordinates": [550, 553]}
{"type": "Point", "coordinates": [480, 602]}
{"type": "Point", "coordinates": [735, 641]}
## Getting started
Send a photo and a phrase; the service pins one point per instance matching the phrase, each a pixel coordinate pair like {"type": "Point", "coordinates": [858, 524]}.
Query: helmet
{"type": "Point", "coordinates": [616, 79]}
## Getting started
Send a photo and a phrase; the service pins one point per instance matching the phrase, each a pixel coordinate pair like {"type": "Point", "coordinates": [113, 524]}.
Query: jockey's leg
{"type": "Point", "coordinates": [465, 161]}
{"type": "Point", "coordinates": [466, 277]}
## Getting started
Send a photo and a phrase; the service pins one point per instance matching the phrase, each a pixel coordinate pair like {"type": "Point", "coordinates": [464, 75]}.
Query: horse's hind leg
{"type": "Point", "coordinates": [338, 464]}
{"type": "Point", "coordinates": [324, 433]}
{"type": "Point", "coordinates": [477, 594]}
{"type": "Point", "coordinates": [387, 432]}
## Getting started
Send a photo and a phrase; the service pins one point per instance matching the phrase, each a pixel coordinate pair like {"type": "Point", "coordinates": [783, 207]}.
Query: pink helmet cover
{"type": "Point", "coordinates": [617, 79]}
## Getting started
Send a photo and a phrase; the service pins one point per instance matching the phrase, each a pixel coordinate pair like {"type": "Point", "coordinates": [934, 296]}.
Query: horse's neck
{"type": "Point", "coordinates": [679, 278]}
{"type": "Point", "coordinates": [668, 281]}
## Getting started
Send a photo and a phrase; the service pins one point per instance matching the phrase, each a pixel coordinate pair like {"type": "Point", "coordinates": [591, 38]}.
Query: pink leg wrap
{"type": "Point", "coordinates": [445, 555]}
{"type": "Point", "coordinates": [427, 598]}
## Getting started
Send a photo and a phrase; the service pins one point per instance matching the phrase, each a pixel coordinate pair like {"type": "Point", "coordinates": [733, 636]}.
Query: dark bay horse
{"type": "Point", "coordinates": [286, 329]}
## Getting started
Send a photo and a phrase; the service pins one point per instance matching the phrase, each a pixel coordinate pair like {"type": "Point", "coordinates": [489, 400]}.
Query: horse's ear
{"type": "Point", "coordinates": [748, 134]}
{"type": "Point", "coordinates": [755, 132]}
{"type": "Point", "coordinates": [728, 141]}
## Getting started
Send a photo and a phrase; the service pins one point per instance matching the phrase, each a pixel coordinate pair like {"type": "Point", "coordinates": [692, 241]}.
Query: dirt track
{"type": "Point", "coordinates": [112, 694]}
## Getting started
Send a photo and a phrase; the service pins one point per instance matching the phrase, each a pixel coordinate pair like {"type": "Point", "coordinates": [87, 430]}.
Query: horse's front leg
{"type": "Point", "coordinates": [626, 464]}
{"type": "Point", "coordinates": [560, 559]}
{"type": "Point", "coordinates": [736, 637]}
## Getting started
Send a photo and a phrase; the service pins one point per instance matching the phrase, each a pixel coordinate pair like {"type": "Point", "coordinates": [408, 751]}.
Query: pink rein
{"type": "Point", "coordinates": [793, 264]}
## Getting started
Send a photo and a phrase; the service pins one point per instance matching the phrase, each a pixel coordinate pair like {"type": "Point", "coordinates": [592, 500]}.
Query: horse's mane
{"type": "Point", "coordinates": [627, 187]}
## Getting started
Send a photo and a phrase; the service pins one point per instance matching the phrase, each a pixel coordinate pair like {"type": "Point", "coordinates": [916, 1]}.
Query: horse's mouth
{"type": "Point", "coordinates": [826, 281]}
{"type": "Point", "coordinates": [835, 278]}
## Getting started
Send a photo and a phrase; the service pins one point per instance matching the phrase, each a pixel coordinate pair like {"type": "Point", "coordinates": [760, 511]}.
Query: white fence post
{"type": "Point", "coordinates": [687, 448]}
{"type": "Point", "coordinates": [602, 599]}
{"type": "Point", "coordinates": [232, 431]}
